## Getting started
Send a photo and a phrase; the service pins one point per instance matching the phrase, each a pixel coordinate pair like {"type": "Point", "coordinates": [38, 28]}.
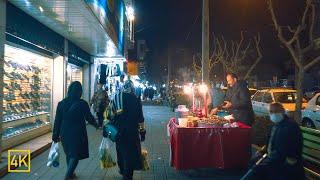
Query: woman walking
{"type": "Point", "coordinates": [70, 127]}
{"type": "Point", "coordinates": [125, 112]}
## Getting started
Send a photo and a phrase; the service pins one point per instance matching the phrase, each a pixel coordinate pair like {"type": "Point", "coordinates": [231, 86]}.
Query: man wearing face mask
{"type": "Point", "coordinates": [238, 100]}
{"type": "Point", "coordinates": [283, 158]}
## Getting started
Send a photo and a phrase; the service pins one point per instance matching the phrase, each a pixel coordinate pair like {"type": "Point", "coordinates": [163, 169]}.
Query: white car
{"type": "Point", "coordinates": [262, 99]}
{"type": "Point", "coordinates": [311, 114]}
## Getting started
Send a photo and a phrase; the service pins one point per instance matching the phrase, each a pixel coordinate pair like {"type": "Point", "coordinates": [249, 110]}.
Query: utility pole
{"type": "Point", "coordinates": [205, 41]}
{"type": "Point", "coordinates": [169, 65]}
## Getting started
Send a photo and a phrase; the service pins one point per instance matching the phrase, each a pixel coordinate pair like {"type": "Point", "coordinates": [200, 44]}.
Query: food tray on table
{"type": "Point", "coordinates": [213, 121]}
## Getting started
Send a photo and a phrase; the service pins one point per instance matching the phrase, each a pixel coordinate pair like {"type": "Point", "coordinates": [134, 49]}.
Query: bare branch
{"type": "Point", "coordinates": [304, 17]}
{"type": "Point", "coordinates": [312, 63]}
{"type": "Point", "coordinates": [311, 29]}
{"type": "Point", "coordinates": [295, 36]}
{"type": "Point", "coordinates": [291, 30]}
{"type": "Point", "coordinates": [259, 57]}
{"type": "Point", "coordinates": [274, 19]}
{"type": "Point", "coordinates": [196, 67]}
{"type": "Point", "coordinates": [239, 45]}
{"type": "Point", "coordinates": [308, 48]}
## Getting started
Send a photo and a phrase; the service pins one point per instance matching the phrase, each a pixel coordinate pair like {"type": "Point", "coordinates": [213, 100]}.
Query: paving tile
{"type": "Point", "coordinates": [156, 143]}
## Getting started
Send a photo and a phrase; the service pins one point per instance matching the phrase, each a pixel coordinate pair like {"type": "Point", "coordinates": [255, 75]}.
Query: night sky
{"type": "Point", "coordinates": [178, 23]}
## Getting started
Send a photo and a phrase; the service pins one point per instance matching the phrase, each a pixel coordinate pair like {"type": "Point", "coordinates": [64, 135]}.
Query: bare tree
{"type": "Point", "coordinates": [232, 56]}
{"type": "Point", "coordinates": [298, 50]}
{"type": "Point", "coordinates": [197, 65]}
{"type": "Point", "coordinates": [258, 57]}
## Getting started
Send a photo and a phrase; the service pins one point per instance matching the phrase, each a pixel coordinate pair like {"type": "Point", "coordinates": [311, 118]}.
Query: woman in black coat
{"type": "Point", "coordinates": [70, 127]}
{"type": "Point", "coordinates": [127, 116]}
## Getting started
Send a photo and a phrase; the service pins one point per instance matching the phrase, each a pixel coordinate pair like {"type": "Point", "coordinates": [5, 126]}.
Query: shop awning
{"type": "Point", "coordinates": [73, 20]}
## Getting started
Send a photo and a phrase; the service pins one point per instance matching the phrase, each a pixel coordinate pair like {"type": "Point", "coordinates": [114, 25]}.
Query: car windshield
{"type": "Point", "coordinates": [285, 97]}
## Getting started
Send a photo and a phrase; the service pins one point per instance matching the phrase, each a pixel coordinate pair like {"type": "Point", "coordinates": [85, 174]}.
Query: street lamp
{"type": "Point", "coordinates": [131, 18]}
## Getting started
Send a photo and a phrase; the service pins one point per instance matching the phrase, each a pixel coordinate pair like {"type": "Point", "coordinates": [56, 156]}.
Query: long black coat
{"type": "Point", "coordinates": [70, 125]}
{"type": "Point", "coordinates": [240, 98]}
{"type": "Point", "coordinates": [129, 147]}
{"type": "Point", "coordinates": [285, 147]}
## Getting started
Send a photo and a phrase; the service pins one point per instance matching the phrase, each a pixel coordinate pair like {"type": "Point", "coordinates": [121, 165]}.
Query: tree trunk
{"type": "Point", "coordinates": [299, 82]}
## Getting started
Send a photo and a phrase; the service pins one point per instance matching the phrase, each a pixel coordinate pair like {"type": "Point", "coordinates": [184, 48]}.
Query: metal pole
{"type": "Point", "coordinates": [169, 65]}
{"type": "Point", "coordinates": [205, 41]}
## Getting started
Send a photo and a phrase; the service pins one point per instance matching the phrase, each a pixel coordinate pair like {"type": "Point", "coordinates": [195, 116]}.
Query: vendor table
{"type": "Point", "coordinates": [223, 148]}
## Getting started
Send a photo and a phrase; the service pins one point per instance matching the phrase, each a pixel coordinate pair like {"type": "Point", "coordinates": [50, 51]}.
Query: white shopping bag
{"type": "Point", "coordinates": [107, 154]}
{"type": "Point", "coordinates": [53, 158]}
{"type": "Point", "coordinates": [93, 112]}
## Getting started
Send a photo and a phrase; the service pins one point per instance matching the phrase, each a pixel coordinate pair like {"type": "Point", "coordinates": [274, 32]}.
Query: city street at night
{"type": "Point", "coordinates": [160, 89]}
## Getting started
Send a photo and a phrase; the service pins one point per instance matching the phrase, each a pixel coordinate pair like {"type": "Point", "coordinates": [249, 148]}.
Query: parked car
{"type": "Point", "coordinates": [311, 114]}
{"type": "Point", "coordinates": [309, 93]}
{"type": "Point", "coordinates": [262, 99]}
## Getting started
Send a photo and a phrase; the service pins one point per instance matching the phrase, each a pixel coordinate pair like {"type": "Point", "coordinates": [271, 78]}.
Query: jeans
{"type": "Point", "coordinates": [72, 164]}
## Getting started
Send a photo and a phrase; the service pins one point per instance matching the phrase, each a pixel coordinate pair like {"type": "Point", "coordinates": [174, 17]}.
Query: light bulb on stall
{"type": "Point", "coordinates": [203, 88]}
{"type": "Point", "coordinates": [187, 89]}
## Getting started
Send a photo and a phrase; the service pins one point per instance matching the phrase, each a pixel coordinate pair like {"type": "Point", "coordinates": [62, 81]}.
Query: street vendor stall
{"type": "Point", "coordinates": [215, 144]}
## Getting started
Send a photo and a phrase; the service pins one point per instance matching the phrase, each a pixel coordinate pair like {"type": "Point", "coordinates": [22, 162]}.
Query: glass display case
{"type": "Point", "coordinates": [74, 73]}
{"type": "Point", "coordinates": [27, 92]}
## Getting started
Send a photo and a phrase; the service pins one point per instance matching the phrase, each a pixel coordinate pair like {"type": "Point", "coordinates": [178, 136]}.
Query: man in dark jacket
{"type": "Point", "coordinates": [100, 102]}
{"type": "Point", "coordinates": [125, 112]}
{"type": "Point", "coordinates": [284, 150]}
{"type": "Point", "coordinates": [238, 100]}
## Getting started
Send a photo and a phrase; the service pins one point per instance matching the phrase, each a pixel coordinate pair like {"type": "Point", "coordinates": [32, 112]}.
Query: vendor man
{"type": "Point", "coordinates": [237, 100]}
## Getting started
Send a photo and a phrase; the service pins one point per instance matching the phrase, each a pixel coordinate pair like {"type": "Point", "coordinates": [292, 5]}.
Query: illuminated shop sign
{"type": "Point", "coordinates": [111, 15]}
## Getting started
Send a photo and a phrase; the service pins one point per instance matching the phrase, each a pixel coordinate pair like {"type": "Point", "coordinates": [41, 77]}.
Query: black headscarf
{"type": "Point", "coordinates": [75, 90]}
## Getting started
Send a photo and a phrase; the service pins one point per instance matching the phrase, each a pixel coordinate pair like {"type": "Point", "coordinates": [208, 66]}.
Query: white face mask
{"type": "Point", "coordinates": [276, 117]}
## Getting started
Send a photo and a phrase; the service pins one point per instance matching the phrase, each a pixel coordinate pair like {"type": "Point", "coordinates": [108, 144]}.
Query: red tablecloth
{"type": "Point", "coordinates": [223, 148]}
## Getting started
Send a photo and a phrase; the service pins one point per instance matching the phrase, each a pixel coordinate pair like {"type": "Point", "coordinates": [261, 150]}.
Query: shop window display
{"type": "Point", "coordinates": [74, 73]}
{"type": "Point", "coordinates": [27, 91]}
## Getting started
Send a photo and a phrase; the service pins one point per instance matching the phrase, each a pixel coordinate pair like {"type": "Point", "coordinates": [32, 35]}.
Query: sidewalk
{"type": "Point", "coordinates": [157, 143]}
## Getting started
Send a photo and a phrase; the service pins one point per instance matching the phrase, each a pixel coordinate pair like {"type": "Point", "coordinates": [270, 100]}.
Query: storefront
{"type": "Point", "coordinates": [27, 102]}
{"type": "Point", "coordinates": [38, 67]}
{"type": "Point", "coordinates": [43, 55]}
{"type": "Point", "coordinates": [109, 71]}
{"type": "Point", "coordinates": [74, 73]}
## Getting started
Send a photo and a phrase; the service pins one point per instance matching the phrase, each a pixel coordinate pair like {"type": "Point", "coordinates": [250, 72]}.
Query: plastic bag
{"type": "Point", "coordinates": [144, 159]}
{"type": "Point", "coordinates": [93, 112]}
{"type": "Point", "coordinates": [107, 154]}
{"type": "Point", "coordinates": [53, 158]}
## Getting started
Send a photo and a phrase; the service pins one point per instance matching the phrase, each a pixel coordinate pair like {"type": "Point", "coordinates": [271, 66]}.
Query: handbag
{"type": "Point", "coordinates": [111, 131]}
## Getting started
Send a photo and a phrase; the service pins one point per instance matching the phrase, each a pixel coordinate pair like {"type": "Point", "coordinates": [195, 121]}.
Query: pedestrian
{"type": "Point", "coordinates": [138, 92]}
{"type": "Point", "coordinates": [283, 158]}
{"type": "Point", "coordinates": [100, 102]}
{"type": "Point", "coordinates": [125, 112]}
{"type": "Point", "coordinates": [70, 127]}
{"type": "Point", "coordinates": [151, 93]}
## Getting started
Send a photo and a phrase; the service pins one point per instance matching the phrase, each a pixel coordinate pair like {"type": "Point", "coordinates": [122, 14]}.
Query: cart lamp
{"type": "Point", "coordinates": [187, 89]}
{"type": "Point", "coordinates": [203, 88]}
